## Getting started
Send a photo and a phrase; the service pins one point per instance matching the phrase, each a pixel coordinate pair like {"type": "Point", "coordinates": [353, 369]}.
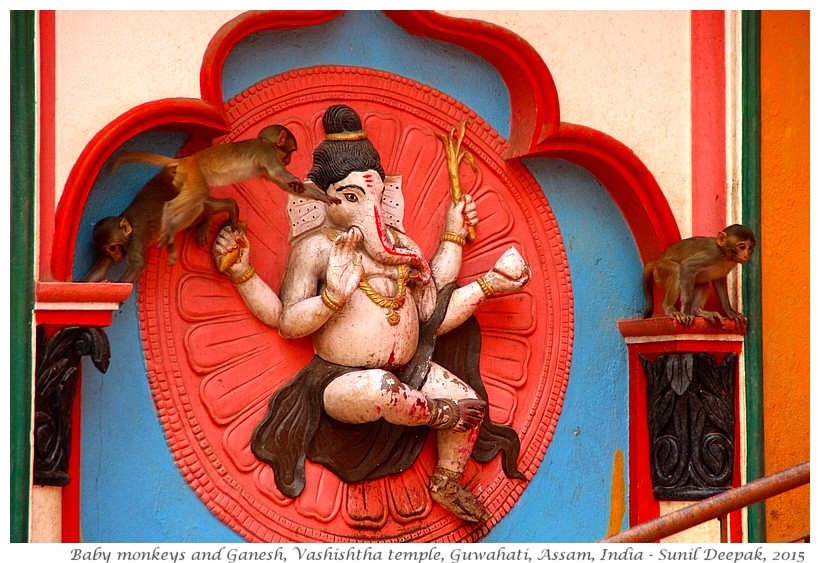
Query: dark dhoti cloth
{"type": "Point", "coordinates": [296, 426]}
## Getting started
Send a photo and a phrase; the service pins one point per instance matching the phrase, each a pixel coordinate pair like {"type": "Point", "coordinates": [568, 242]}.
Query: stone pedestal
{"type": "Point", "coordinates": [687, 380]}
{"type": "Point", "coordinates": [69, 317]}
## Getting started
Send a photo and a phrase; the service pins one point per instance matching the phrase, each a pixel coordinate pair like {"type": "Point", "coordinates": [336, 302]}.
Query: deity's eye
{"type": "Point", "coordinates": [351, 197]}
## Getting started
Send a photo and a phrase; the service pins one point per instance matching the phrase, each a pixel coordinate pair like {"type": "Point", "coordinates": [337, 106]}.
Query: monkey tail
{"type": "Point", "coordinates": [648, 289]}
{"type": "Point", "coordinates": [141, 156]}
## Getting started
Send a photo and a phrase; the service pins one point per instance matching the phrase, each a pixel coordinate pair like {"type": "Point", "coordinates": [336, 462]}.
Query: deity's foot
{"type": "Point", "coordinates": [446, 490]}
{"type": "Point", "coordinates": [459, 416]}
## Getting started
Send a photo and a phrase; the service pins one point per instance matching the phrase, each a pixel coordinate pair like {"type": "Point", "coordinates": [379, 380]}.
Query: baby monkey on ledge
{"type": "Point", "coordinates": [686, 269]}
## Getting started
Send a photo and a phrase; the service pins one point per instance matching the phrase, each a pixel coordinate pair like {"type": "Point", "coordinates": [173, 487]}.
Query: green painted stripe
{"type": "Point", "coordinates": [22, 264]}
{"type": "Point", "coordinates": [752, 272]}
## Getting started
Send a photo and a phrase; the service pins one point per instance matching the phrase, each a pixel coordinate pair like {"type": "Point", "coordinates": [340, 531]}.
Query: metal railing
{"type": "Point", "coordinates": [717, 506]}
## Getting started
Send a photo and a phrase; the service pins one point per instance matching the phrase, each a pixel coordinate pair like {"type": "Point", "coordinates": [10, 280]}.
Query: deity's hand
{"type": "Point", "coordinates": [231, 251]}
{"type": "Point", "coordinates": [510, 274]}
{"type": "Point", "coordinates": [344, 268]}
{"type": "Point", "coordinates": [461, 215]}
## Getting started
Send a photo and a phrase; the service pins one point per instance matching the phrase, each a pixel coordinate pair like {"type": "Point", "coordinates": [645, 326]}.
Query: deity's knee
{"type": "Point", "coordinates": [368, 395]}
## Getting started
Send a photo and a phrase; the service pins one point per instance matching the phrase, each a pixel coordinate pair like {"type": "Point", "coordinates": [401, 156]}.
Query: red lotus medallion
{"type": "Point", "coordinates": [213, 366]}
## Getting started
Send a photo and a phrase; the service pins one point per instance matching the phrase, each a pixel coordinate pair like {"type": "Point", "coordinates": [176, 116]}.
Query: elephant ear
{"type": "Point", "coordinates": [393, 203]}
{"type": "Point", "coordinates": [304, 215]}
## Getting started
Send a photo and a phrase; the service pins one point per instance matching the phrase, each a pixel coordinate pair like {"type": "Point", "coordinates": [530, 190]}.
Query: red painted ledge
{"type": "Point", "coordinates": [78, 304]}
{"type": "Point", "coordinates": [659, 327]}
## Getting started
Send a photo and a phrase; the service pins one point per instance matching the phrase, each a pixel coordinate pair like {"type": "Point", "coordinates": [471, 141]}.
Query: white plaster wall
{"type": "Point", "coordinates": [111, 61]}
{"type": "Point", "coordinates": [625, 73]}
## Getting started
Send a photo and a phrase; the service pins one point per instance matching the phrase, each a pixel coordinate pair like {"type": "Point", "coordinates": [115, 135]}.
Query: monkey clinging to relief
{"type": "Point", "coordinates": [265, 156]}
{"type": "Point", "coordinates": [129, 235]}
{"type": "Point", "coordinates": [686, 269]}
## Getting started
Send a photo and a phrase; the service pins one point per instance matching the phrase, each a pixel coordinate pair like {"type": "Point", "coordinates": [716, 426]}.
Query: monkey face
{"type": "Point", "coordinates": [742, 251]}
{"type": "Point", "coordinates": [115, 251]}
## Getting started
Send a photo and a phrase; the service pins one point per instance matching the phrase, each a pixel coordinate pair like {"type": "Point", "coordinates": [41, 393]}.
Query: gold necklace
{"type": "Point", "coordinates": [392, 304]}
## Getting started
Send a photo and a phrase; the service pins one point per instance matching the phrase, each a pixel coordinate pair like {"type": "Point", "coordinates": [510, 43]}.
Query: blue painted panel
{"type": "Point", "coordinates": [569, 498]}
{"type": "Point", "coordinates": [130, 488]}
{"type": "Point", "coordinates": [132, 491]}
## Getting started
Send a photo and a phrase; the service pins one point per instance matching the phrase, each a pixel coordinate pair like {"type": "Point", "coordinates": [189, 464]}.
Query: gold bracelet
{"type": "Point", "coordinates": [453, 237]}
{"type": "Point", "coordinates": [248, 274]}
{"type": "Point", "coordinates": [331, 303]}
{"type": "Point", "coordinates": [485, 287]}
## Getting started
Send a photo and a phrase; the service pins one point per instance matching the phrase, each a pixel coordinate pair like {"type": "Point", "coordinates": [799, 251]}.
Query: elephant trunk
{"type": "Point", "coordinates": [386, 251]}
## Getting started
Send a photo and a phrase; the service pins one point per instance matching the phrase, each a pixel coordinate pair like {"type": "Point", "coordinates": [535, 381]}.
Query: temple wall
{"type": "Point", "coordinates": [624, 74]}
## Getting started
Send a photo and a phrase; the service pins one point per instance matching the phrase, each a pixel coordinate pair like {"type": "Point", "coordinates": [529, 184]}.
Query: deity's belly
{"type": "Point", "coordinates": [361, 334]}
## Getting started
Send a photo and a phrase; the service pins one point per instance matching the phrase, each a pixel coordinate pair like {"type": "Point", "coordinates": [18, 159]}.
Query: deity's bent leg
{"type": "Point", "coordinates": [368, 395]}
{"type": "Point", "coordinates": [454, 450]}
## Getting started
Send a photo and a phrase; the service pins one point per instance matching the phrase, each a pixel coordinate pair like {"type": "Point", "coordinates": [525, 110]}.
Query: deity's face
{"type": "Point", "coordinates": [361, 195]}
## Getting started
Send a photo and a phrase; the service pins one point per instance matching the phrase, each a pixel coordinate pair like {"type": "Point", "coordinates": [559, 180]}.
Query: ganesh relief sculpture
{"type": "Point", "coordinates": [373, 306]}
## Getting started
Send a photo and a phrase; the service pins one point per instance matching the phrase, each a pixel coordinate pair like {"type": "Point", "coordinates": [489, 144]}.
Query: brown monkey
{"type": "Point", "coordinates": [131, 234]}
{"type": "Point", "coordinates": [686, 269]}
{"type": "Point", "coordinates": [194, 175]}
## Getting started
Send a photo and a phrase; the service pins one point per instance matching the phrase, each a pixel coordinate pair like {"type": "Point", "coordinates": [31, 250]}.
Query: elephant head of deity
{"type": "Point", "coordinates": [346, 165]}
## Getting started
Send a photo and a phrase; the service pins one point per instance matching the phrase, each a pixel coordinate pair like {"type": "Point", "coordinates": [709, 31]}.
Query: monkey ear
{"type": "Point", "coordinates": [721, 238]}
{"type": "Point", "coordinates": [282, 138]}
{"type": "Point", "coordinates": [125, 225]}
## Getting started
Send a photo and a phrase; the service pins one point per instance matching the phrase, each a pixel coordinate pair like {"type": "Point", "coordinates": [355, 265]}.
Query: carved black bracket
{"type": "Point", "coordinates": [55, 384]}
{"type": "Point", "coordinates": [691, 418]}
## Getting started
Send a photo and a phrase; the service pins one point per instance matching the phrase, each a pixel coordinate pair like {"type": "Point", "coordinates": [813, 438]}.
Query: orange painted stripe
{"type": "Point", "coordinates": [617, 506]}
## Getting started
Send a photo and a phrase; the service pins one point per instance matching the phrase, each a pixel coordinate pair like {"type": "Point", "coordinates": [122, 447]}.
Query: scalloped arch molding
{"type": "Point", "coordinates": [535, 128]}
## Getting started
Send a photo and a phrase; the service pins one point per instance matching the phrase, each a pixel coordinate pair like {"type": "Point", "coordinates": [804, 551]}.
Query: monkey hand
{"type": "Point", "coordinates": [231, 251]}
{"type": "Point", "coordinates": [312, 191]}
{"type": "Point", "coordinates": [712, 316]}
{"type": "Point", "coordinates": [461, 215]}
{"type": "Point", "coordinates": [685, 319]}
{"type": "Point", "coordinates": [344, 268]}
{"type": "Point", "coordinates": [739, 318]}
{"type": "Point", "coordinates": [731, 314]}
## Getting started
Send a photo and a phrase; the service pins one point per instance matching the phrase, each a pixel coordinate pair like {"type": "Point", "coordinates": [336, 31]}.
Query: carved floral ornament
{"type": "Point", "coordinates": [212, 366]}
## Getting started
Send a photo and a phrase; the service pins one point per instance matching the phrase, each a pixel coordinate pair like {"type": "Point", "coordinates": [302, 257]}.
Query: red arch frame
{"type": "Point", "coordinates": [535, 129]}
